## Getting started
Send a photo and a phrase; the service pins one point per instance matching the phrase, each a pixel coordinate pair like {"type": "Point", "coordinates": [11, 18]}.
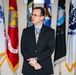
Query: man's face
{"type": "Point", "coordinates": [36, 17]}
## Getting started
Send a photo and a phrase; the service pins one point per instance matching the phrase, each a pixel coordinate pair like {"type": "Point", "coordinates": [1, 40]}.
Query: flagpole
{"type": "Point", "coordinates": [15, 73]}
{"type": "Point", "coordinates": [59, 68]}
{"type": "Point", "coordinates": [75, 70]}
{"type": "Point", "coordinates": [0, 70]}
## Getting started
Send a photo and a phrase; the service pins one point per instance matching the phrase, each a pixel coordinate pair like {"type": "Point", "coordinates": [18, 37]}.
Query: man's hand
{"type": "Point", "coordinates": [32, 61]}
{"type": "Point", "coordinates": [37, 66]}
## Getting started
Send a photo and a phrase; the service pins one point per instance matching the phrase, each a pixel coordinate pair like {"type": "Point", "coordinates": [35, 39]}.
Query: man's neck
{"type": "Point", "coordinates": [39, 23]}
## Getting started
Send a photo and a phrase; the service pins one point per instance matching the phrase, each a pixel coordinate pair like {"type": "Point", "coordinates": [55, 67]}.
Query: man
{"type": "Point", "coordinates": [37, 50]}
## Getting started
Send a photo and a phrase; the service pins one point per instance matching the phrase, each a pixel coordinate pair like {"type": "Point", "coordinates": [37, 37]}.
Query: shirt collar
{"type": "Point", "coordinates": [40, 26]}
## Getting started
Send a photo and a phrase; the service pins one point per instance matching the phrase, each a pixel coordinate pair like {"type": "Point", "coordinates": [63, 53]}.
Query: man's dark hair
{"type": "Point", "coordinates": [42, 10]}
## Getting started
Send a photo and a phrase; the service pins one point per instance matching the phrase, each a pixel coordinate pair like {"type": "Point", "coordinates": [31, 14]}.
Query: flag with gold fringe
{"type": "Point", "coordinates": [2, 35]}
{"type": "Point", "coordinates": [71, 43]}
{"type": "Point", "coordinates": [12, 39]}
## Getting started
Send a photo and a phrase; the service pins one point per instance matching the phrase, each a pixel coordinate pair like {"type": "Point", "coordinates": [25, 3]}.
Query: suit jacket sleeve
{"type": "Point", "coordinates": [24, 46]}
{"type": "Point", "coordinates": [49, 51]}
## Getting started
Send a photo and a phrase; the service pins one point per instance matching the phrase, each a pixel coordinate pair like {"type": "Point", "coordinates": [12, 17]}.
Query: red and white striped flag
{"type": "Point", "coordinates": [12, 48]}
{"type": "Point", "coordinates": [2, 35]}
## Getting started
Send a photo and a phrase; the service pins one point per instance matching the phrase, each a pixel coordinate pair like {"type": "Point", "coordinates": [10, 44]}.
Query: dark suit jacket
{"type": "Point", "coordinates": [42, 50]}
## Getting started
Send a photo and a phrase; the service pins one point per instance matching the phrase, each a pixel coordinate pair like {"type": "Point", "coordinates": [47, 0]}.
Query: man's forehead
{"type": "Point", "coordinates": [37, 10]}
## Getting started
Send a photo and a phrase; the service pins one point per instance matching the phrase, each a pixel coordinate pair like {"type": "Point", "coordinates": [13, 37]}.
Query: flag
{"type": "Point", "coordinates": [12, 39]}
{"type": "Point", "coordinates": [71, 43]}
{"type": "Point", "coordinates": [30, 6]}
{"type": "Point", "coordinates": [2, 35]}
{"type": "Point", "coordinates": [60, 47]}
{"type": "Point", "coordinates": [48, 13]}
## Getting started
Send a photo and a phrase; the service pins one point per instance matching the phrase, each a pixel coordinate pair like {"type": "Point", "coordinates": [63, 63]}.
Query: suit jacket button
{"type": "Point", "coordinates": [35, 50]}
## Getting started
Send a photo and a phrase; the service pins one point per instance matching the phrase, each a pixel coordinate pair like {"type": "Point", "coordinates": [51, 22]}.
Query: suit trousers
{"type": "Point", "coordinates": [39, 72]}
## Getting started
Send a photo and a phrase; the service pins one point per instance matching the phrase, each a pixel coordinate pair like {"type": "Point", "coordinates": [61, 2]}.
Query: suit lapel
{"type": "Point", "coordinates": [33, 34]}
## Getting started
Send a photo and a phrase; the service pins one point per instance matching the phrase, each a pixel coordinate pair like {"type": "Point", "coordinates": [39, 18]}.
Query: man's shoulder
{"type": "Point", "coordinates": [27, 28]}
{"type": "Point", "coordinates": [48, 28]}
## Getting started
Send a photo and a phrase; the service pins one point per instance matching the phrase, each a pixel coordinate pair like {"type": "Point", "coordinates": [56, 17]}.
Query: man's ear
{"type": "Point", "coordinates": [42, 17]}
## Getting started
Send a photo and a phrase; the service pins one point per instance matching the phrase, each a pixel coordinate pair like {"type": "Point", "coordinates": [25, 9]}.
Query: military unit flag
{"type": "Point", "coordinates": [30, 6]}
{"type": "Point", "coordinates": [71, 43]}
{"type": "Point", "coordinates": [48, 13]}
{"type": "Point", "coordinates": [2, 34]}
{"type": "Point", "coordinates": [12, 48]}
{"type": "Point", "coordinates": [60, 47]}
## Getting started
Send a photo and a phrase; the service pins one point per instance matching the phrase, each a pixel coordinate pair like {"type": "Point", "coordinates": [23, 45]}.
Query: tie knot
{"type": "Point", "coordinates": [37, 30]}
